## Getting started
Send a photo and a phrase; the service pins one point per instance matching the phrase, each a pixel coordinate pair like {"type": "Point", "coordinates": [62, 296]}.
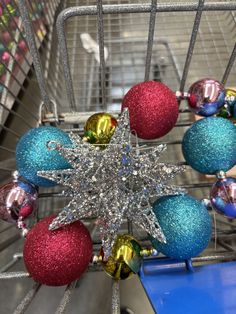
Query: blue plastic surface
{"type": "Point", "coordinates": [171, 289]}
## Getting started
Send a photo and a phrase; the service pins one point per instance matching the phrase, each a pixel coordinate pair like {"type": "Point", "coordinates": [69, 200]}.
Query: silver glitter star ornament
{"type": "Point", "coordinates": [112, 184]}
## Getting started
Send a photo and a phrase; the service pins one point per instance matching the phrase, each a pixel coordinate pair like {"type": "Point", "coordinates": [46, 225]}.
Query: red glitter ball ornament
{"type": "Point", "coordinates": [153, 109]}
{"type": "Point", "coordinates": [56, 258]}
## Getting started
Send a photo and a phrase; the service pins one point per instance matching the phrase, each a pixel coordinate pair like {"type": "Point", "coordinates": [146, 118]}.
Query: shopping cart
{"type": "Point", "coordinates": [92, 53]}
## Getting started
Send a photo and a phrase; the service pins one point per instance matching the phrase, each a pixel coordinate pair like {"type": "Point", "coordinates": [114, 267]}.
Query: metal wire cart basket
{"type": "Point", "coordinates": [62, 61]}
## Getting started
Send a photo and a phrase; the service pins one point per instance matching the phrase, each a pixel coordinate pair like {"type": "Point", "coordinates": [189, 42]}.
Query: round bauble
{"type": "Point", "coordinates": [56, 258]}
{"type": "Point", "coordinates": [33, 154]}
{"type": "Point", "coordinates": [186, 225]}
{"type": "Point", "coordinates": [125, 259]}
{"type": "Point", "coordinates": [5, 57]}
{"type": "Point", "coordinates": [229, 109]}
{"type": "Point", "coordinates": [11, 9]}
{"type": "Point", "coordinates": [209, 145]}
{"type": "Point", "coordinates": [223, 197]}
{"type": "Point", "coordinates": [153, 109]}
{"type": "Point", "coordinates": [17, 200]}
{"type": "Point", "coordinates": [17, 57]}
{"type": "Point", "coordinates": [6, 37]}
{"type": "Point", "coordinates": [22, 45]}
{"type": "Point", "coordinates": [99, 128]}
{"type": "Point", "coordinates": [206, 97]}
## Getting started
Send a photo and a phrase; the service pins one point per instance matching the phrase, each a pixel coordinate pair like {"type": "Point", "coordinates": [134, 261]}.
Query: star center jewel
{"type": "Point", "coordinates": [113, 184]}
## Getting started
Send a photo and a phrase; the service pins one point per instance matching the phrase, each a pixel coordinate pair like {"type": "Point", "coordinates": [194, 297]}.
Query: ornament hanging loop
{"type": "Point", "coordinates": [221, 175]}
{"type": "Point", "coordinates": [43, 108]}
{"type": "Point", "coordinates": [15, 175]}
{"type": "Point", "coordinates": [53, 145]}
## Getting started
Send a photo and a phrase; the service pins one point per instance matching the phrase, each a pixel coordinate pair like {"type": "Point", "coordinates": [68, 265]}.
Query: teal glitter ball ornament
{"type": "Point", "coordinates": [33, 155]}
{"type": "Point", "coordinates": [209, 146]}
{"type": "Point", "coordinates": [186, 224]}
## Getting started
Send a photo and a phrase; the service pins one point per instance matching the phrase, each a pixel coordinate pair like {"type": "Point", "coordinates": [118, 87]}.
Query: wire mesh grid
{"type": "Point", "coordinates": [176, 44]}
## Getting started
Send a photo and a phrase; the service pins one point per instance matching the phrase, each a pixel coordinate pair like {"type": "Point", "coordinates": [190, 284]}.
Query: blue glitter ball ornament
{"type": "Point", "coordinates": [223, 197]}
{"type": "Point", "coordinates": [186, 225]}
{"type": "Point", "coordinates": [209, 146]}
{"type": "Point", "coordinates": [32, 154]}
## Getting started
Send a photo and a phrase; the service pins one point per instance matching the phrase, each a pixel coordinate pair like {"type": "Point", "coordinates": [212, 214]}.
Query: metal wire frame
{"type": "Point", "coordinates": [83, 119]}
{"type": "Point", "coordinates": [34, 51]}
{"type": "Point", "coordinates": [65, 300]}
{"type": "Point", "coordinates": [134, 8]}
{"type": "Point", "coordinates": [152, 9]}
{"type": "Point", "coordinates": [17, 79]}
{"type": "Point", "coordinates": [100, 10]}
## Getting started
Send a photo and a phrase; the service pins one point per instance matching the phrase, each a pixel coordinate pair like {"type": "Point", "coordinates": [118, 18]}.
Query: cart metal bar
{"type": "Point", "coordinates": [18, 27]}
{"type": "Point", "coordinates": [33, 26]}
{"type": "Point", "coordinates": [66, 298]}
{"type": "Point", "coordinates": [192, 43]}
{"type": "Point", "coordinates": [8, 265]}
{"type": "Point", "coordinates": [128, 8]}
{"type": "Point", "coordinates": [14, 274]}
{"type": "Point", "coordinates": [34, 51]}
{"type": "Point", "coordinates": [5, 229]}
{"type": "Point", "coordinates": [219, 257]}
{"type": "Point", "coordinates": [151, 32]}
{"type": "Point", "coordinates": [13, 76]}
{"type": "Point", "coordinates": [14, 40]}
{"type": "Point", "coordinates": [115, 301]}
{"type": "Point", "coordinates": [16, 114]}
{"type": "Point", "coordinates": [229, 65]}
{"type": "Point", "coordinates": [21, 308]}
{"type": "Point", "coordinates": [9, 130]}
{"type": "Point", "coordinates": [7, 150]}
{"type": "Point", "coordinates": [16, 258]}
{"type": "Point", "coordinates": [185, 186]}
{"type": "Point", "coordinates": [225, 245]}
{"type": "Point", "coordinates": [9, 241]}
{"type": "Point", "coordinates": [207, 258]}
{"type": "Point", "coordinates": [20, 102]}
{"type": "Point", "coordinates": [197, 185]}
{"type": "Point", "coordinates": [65, 62]}
{"type": "Point", "coordinates": [145, 8]}
{"type": "Point", "coordinates": [73, 117]}
{"type": "Point", "coordinates": [81, 117]}
{"type": "Point", "coordinates": [101, 52]}
{"type": "Point", "coordinates": [12, 57]}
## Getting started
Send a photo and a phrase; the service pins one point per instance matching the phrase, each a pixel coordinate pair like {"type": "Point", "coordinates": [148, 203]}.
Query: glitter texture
{"type": "Point", "coordinates": [32, 154]}
{"type": "Point", "coordinates": [113, 184]}
{"type": "Point", "coordinates": [153, 109]}
{"type": "Point", "coordinates": [57, 258]}
{"type": "Point", "coordinates": [186, 225]}
{"type": "Point", "coordinates": [210, 145]}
